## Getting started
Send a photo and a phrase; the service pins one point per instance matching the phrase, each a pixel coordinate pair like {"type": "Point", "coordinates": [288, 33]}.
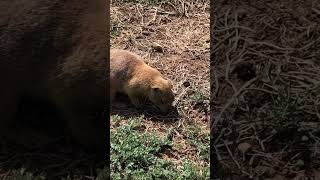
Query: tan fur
{"type": "Point", "coordinates": [132, 76]}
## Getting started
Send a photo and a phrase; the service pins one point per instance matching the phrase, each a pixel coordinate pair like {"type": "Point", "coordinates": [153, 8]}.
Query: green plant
{"type": "Point", "coordinates": [199, 140]}
{"type": "Point", "coordinates": [284, 107]}
{"type": "Point", "coordinates": [114, 30]}
{"type": "Point", "coordinates": [198, 97]}
{"type": "Point", "coordinates": [136, 155]}
{"type": "Point", "coordinates": [131, 151]}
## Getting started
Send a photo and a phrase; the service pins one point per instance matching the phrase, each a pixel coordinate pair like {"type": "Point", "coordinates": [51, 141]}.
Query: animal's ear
{"type": "Point", "coordinates": [156, 89]}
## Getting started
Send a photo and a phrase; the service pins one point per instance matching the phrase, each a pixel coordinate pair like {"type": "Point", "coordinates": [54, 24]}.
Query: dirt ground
{"type": "Point", "coordinates": [265, 90]}
{"type": "Point", "coordinates": [172, 36]}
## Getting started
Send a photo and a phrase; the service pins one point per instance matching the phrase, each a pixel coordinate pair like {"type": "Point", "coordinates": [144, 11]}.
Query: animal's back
{"type": "Point", "coordinates": [123, 61]}
{"type": "Point", "coordinates": [123, 66]}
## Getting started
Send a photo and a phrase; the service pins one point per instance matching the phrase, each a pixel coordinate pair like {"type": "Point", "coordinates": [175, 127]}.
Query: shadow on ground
{"type": "Point", "coordinates": [123, 107]}
{"type": "Point", "coordinates": [46, 151]}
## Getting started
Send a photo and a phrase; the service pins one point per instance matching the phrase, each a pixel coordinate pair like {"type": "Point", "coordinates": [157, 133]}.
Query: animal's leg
{"type": "Point", "coordinates": [8, 108]}
{"type": "Point", "coordinates": [135, 100]}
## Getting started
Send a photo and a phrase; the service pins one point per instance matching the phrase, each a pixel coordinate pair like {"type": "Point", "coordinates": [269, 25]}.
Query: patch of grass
{"type": "Point", "coordinates": [114, 30]}
{"type": "Point", "coordinates": [198, 97]}
{"type": "Point", "coordinates": [200, 141]}
{"type": "Point", "coordinates": [22, 174]}
{"type": "Point", "coordinates": [136, 155]}
{"type": "Point", "coordinates": [284, 108]}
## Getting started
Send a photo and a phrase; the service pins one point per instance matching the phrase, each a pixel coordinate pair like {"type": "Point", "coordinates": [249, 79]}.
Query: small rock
{"type": "Point", "coordinates": [242, 13]}
{"type": "Point", "coordinates": [206, 101]}
{"type": "Point", "coordinates": [157, 47]}
{"type": "Point", "coordinates": [274, 131]}
{"type": "Point", "coordinates": [300, 162]}
{"type": "Point", "coordinates": [304, 138]}
{"type": "Point", "coordinates": [146, 33]}
{"type": "Point", "coordinates": [270, 172]}
{"type": "Point", "coordinates": [185, 108]}
{"type": "Point", "coordinates": [244, 147]}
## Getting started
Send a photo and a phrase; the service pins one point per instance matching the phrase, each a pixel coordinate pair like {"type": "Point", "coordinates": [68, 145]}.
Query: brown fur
{"type": "Point", "coordinates": [55, 50]}
{"type": "Point", "coordinates": [132, 76]}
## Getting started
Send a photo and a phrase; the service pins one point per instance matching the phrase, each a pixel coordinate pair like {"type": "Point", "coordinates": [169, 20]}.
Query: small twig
{"type": "Point", "coordinates": [231, 100]}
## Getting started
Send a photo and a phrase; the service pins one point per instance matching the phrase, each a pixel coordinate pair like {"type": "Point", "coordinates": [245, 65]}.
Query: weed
{"type": "Point", "coordinates": [284, 108]}
{"type": "Point", "coordinates": [198, 97]}
{"type": "Point", "coordinates": [136, 155]}
{"type": "Point", "coordinates": [200, 141]}
{"type": "Point", "coordinates": [114, 31]}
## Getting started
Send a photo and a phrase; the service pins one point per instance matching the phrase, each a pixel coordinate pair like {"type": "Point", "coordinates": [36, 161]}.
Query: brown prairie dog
{"type": "Point", "coordinates": [132, 76]}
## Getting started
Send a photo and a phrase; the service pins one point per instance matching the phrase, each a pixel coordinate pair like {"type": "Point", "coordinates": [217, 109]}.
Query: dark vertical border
{"type": "Point", "coordinates": [211, 90]}
{"type": "Point", "coordinates": [213, 158]}
{"type": "Point", "coordinates": [107, 113]}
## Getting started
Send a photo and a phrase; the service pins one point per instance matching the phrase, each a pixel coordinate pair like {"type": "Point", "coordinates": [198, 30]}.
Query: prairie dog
{"type": "Point", "coordinates": [130, 75]}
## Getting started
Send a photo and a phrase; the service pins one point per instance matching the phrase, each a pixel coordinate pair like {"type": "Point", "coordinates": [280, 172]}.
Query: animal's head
{"type": "Point", "coordinates": [161, 94]}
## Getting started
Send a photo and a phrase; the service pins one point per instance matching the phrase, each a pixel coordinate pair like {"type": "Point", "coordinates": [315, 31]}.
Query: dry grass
{"type": "Point", "coordinates": [172, 36]}
{"type": "Point", "coordinates": [266, 89]}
